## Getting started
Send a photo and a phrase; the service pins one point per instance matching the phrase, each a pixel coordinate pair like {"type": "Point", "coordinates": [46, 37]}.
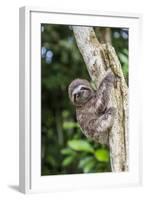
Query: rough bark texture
{"type": "Point", "coordinates": [104, 34]}
{"type": "Point", "coordinates": [98, 58]}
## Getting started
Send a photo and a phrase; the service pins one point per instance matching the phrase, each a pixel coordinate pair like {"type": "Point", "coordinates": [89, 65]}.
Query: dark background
{"type": "Point", "coordinates": [64, 149]}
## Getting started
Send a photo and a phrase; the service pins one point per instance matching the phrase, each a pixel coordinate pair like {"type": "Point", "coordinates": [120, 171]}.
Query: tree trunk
{"type": "Point", "coordinates": [98, 58]}
{"type": "Point", "coordinates": [104, 34]}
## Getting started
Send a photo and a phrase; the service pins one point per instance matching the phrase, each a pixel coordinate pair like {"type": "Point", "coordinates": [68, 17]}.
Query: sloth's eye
{"type": "Point", "coordinates": [84, 88]}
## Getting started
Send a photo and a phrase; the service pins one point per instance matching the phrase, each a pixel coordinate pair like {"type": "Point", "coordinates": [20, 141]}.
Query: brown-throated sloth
{"type": "Point", "coordinates": [92, 111]}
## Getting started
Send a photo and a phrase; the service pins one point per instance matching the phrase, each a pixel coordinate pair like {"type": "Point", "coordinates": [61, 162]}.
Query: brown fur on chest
{"type": "Point", "coordinates": [89, 107]}
{"type": "Point", "coordinates": [86, 113]}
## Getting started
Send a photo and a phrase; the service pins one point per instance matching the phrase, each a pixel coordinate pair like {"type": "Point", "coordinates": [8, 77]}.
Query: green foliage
{"type": "Point", "coordinates": [120, 42]}
{"type": "Point", "coordinates": [124, 61]}
{"type": "Point", "coordinates": [88, 164]}
{"type": "Point", "coordinates": [64, 149]}
{"type": "Point", "coordinates": [80, 145]}
{"type": "Point", "coordinates": [102, 155]}
{"type": "Point", "coordinates": [70, 125]}
{"type": "Point", "coordinates": [88, 155]}
{"type": "Point", "coordinates": [67, 161]}
{"type": "Point", "coordinates": [67, 151]}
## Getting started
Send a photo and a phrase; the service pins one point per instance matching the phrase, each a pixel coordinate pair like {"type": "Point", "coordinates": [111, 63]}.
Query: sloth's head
{"type": "Point", "coordinates": [80, 91]}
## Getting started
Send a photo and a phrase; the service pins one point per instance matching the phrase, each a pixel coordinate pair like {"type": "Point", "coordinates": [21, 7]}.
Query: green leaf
{"type": "Point", "coordinates": [125, 51]}
{"type": "Point", "coordinates": [51, 160]}
{"type": "Point", "coordinates": [65, 113]}
{"type": "Point", "coordinates": [67, 151]}
{"type": "Point", "coordinates": [125, 69]}
{"type": "Point", "coordinates": [65, 44]}
{"type": "Point", "coordinates": [67, 161]}
{"type": "Point", "coordinates": [80, 145]}
{"type": "Point", "coordinates": [123, 58]}
{"type": "Point", "coordinates": [102, 155]}
{"type": "Point", "coordinates": [89, 166]}
{"type": "Point", "coordinates": [85, 161]}
{"type": "Point", "coordinates": [70, 125]}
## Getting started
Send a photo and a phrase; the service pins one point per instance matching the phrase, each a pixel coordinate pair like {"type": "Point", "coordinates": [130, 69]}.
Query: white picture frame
{"type": "Point", "coordinates": [30, 146]}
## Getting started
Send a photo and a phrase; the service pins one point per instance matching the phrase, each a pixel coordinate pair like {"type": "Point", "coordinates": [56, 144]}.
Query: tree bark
{"type": "Point", "coordinates": [104, 34]}
{"type": "Point", "coordinates": [98, 59]}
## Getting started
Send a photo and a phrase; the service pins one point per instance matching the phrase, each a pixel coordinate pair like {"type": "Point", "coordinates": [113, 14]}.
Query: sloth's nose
{"type": "Point", "coordinates": [78, 94]}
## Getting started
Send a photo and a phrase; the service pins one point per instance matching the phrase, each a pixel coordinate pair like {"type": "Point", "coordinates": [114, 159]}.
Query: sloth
{"type": "Point", "coordinates": [93, 114]}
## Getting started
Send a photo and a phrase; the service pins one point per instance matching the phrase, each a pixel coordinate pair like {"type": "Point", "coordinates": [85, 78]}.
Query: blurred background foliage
{"type": "Point", "coordinates": [64, 149]}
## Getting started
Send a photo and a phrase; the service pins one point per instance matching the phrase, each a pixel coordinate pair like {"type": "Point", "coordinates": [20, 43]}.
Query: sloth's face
{"type": "Point", "coordinates": [81, 94]}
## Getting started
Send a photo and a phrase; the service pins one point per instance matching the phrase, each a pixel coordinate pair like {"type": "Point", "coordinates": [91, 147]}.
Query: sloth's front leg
{"type": "Point", "coordinates": [101, 124]}
{"type": "Point", "coordinates": [104, 92]}
{"type": "Point", "coordinates": [105, 121]}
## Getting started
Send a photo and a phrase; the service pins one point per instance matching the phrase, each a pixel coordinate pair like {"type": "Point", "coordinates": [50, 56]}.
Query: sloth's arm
{"type": "Point", "coordinates": [101, 124]}
{"type": "Point", "coordinates": [104, 92]}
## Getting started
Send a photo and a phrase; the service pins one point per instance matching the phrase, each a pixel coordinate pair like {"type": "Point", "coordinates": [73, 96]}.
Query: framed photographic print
{"type": "Point", "coordinates": [79, 100]}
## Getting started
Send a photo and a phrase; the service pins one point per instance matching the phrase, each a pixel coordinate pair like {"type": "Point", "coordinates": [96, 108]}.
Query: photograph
{"type": "Point", "coordinates": [84, 99]}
